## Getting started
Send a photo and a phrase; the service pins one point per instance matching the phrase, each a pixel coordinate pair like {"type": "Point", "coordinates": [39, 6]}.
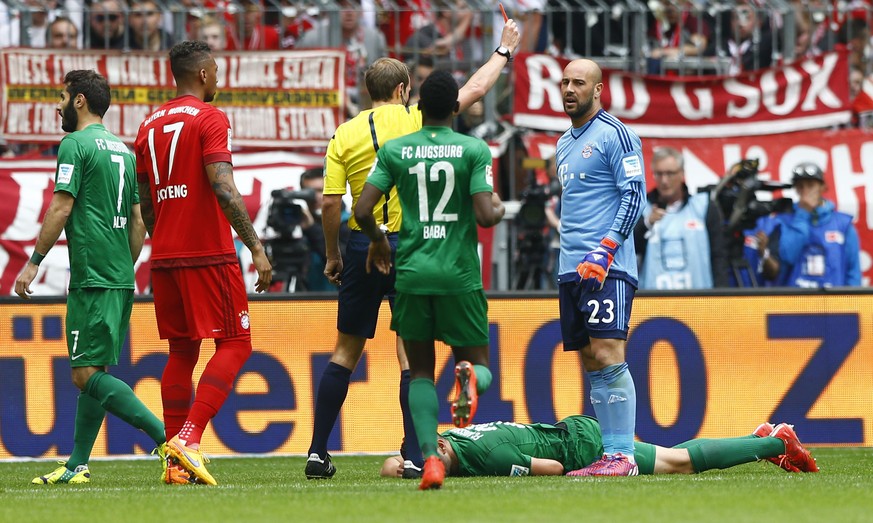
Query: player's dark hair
{"type": "Point", "coordinates": [439, 95]}
{"type": "Point", "coordinates": [92, 86]}
{"type": "Point", "coordinates": [186, 58]}
{"type": "Point", "coordinates": [383, 76]}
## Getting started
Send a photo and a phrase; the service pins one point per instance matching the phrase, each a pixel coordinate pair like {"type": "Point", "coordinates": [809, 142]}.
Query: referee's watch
{"type": "Point", "coordinates": [504, 52]}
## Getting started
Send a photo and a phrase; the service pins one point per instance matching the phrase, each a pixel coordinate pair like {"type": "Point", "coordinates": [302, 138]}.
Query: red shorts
{"type": "Point", "coordinates": [201, 302]}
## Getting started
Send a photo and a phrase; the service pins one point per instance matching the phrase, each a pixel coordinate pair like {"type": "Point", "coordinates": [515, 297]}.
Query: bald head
{"type": "Point", "coordinates": [584, 68]}
{"type": "Point", "coordinates": [581, 87]}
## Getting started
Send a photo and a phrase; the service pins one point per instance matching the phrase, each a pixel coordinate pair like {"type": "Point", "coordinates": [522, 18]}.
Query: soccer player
{"type": "Point", "coordinates": [538, 449]}
{"type": "Point", "coordinates": [443, 181]}
{"type": "Point", "coordinates": [350, 156]}
{"type": "Point", "coordinates": [600, 166]}
{"type": "Point", "coordinates": [188, 195]}
{"type": "Point", "coordinates": [96, 203]}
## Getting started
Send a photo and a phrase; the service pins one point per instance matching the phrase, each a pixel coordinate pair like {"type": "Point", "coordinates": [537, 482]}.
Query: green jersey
{"type": "Point", "coordinates": [99, 171]}
{"type": "Point", "coordinates": [436, 172]}
{"type": "Point", "coordinates": [505, 449]}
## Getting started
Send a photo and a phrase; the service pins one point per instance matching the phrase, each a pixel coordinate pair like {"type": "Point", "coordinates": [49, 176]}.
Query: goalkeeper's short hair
{"type": "Point", "coordinates": [439, 95]}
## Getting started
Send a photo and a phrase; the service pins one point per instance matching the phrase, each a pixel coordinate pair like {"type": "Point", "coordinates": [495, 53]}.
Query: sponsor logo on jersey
{"type": "Point", "coordinates": [65, 173]}
{"type": "Point", "coordinates": [518, 470]}
{"type": "Point", "coordinates": [244, 320]}
{"type": "Point", "coordinates": [694, 225]}
{"type": "Point", "coordinates": [632, 166]}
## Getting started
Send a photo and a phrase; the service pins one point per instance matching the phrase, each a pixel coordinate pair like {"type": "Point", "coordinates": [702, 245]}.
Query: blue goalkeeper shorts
{"type": "Point", "coordinates": [602, 314]}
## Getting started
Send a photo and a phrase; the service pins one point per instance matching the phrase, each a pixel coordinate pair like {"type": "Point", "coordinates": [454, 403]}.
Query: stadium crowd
{"type": "Point", "coordinates": [662, 37]}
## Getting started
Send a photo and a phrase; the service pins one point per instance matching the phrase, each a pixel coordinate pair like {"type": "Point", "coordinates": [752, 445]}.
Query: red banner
{"type": "Point", "coordinates": [811, 94]}
{"type": "Point", "coordinates": [846, 156]}
{"type": "Point", "coordinates": [26, 189]}
{"type": "Point", "coordinates": [272, 98]}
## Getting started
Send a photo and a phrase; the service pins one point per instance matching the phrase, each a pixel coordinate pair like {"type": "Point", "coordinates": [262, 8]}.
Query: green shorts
{"type": "Point", "coordinates": [460, 320]}
{"type": "Point", "coordinates": [97, 323]}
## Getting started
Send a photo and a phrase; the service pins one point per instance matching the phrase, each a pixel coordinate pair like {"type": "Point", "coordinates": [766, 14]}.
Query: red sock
{"type": "Point", "coordinates": [176, 387]}
{"type": "Point", "coordinates": [217, 381]}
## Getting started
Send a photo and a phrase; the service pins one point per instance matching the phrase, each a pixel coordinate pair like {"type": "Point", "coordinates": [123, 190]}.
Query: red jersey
{"type": "Point", "coordinates": [173, 147]}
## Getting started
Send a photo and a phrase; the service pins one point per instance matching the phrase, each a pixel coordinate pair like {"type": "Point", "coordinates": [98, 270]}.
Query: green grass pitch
{"type": "Point", "coordinates": [275, 489]}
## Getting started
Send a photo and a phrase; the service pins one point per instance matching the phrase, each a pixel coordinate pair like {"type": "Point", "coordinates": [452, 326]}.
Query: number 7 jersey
{"type": "Point", "coordinates": [173, 147]}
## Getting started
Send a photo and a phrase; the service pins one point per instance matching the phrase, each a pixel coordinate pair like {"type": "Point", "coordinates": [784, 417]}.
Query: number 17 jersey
{"type": "Point", "coordinates": [174, 145]}
{"type": "Point", "coordinates": [436, 171]}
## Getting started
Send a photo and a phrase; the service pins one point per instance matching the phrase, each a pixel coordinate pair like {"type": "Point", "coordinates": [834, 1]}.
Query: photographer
{"type": "Point", "coordinates": [818, 246]}
{"type": "Point", "coordinates": [297, 250]}
{"type": "Point", "coordinates": [680, 238]}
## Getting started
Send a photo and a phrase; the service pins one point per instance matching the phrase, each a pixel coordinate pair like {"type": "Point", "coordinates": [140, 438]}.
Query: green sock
{"type": "Point", "coordinates": [89, 418]}
{"type": "Point", "coordinates": [425, 407]}
{"type": "Point", "coordinates": [483, 378]}
{"type": "Point", "coordinates": [118, 398]}
{"type": "Point", "coordinates": [725, 453]}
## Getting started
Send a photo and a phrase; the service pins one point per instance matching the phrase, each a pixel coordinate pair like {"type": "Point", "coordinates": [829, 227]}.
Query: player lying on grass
{"type": "Point", "coordinates": [537, 449]}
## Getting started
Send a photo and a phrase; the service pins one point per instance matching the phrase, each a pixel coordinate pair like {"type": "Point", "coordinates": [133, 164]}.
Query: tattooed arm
{"type": "Point", "coordinates": [229, 199]}
{"type": "Point", "coordinates": [146, 207]}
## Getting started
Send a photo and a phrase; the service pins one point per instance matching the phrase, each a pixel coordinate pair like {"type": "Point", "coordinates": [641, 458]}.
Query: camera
{"type": "Point", "coordinates": [286, 210]}
{"type": "Point", "coordinates": [735, 196]}
{"type": "Point", "coordinates": [289, 250]}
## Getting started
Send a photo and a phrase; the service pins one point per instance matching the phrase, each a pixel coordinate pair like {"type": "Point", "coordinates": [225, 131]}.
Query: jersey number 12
{"type": "Point", "coordinates": [437, 170]}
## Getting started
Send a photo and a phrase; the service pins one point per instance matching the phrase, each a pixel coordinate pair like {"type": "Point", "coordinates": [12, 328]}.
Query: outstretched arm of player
{"type": "Point", "coordinates": [486, 76]}
{"type": "Point", "coordinates": [331, 219]}
{"type": "Point", "coordinates": [136, 232]}
{"type": "Point", "coordinates": [147, 208]}
{"type": "Point", "coordinates": [379, 253]}
{"type": "Point", "coordinates": [488, 208]}
{"type": "Point", "coordinates": [52, 225]}
{"type": "Point", "coordinates": [229, 199]}
{"type": "Point", "coordinates": [546, 467]}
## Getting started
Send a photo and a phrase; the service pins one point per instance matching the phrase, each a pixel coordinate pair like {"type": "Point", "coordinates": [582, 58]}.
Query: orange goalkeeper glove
{"type": "Point", "coordinates": [595, 265]}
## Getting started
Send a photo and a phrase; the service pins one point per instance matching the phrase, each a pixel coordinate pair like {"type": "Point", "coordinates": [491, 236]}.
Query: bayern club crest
{"type": "Point", "coordinates": [587, 150]}
{"type": "Point", "coordinates": [244, 320]}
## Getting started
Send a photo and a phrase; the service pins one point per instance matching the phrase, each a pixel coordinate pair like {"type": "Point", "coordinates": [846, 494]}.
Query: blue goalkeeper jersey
{"type": "Point", "coordinates": [600, 166]}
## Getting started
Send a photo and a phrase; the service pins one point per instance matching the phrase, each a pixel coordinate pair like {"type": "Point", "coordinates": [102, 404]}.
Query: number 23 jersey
{"type": "Point", "coordinates": [174, 145]}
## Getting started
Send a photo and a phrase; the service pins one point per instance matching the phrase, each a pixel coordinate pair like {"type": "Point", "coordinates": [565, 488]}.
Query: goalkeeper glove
{"type": "Point", "coordinates": [595, 265]}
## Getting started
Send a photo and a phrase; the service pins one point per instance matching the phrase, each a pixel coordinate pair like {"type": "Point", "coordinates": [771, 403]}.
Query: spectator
{"type": "Point", "coordinates": [363, 45]}
{"type": "Point", "coordinates": [677, 31]}
{"type": "Point", "coordinates": [145, 27]}
{"type": "Point", "coordinates": [419, 70]}
{"type": "Point", "coordinates": [62, 33]}
{"type": "Point", "coordinates": [680, 238]}
{"type": "Point", "coordinates": [39, 13]}
{"type": "Point", "coordinates": [313, 180]}
{"type": "Point", "coordinates": [213, 32]}
{"type": "Point", "coordinates": [107, 24]}
{"type": "Point", "coordinates": [820, 25]}
{"type": "Point", "coordinates": [254, 35]}
{"type": "Point", "coordinates": [854, 36]}
{"type": "Point", "coordinates": [400, 19]}
{"type": "Point", "coordinates": [818, 246]}
{"type": "Point", "coordinates": [444, 38]}
{"type": "Point", "coordinates": [293, 22]}
{"type": "Point", "coordinates": [750, 42]}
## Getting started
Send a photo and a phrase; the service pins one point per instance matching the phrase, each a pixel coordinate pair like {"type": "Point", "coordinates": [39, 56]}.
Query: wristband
{"type": "Point", "coordinates": [36, 258]}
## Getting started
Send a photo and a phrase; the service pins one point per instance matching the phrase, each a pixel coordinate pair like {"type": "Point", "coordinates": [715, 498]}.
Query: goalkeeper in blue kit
{"type": "Point", "coordinates": [504, 448]}
{"type": "Point", "coordinates": [600, 167]}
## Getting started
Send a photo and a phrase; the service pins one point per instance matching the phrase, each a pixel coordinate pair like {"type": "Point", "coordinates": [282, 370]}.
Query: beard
{"type": "Point", "coordinates": [582, 108]}
{"type": "Point", "coordinates": [69, 118]}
